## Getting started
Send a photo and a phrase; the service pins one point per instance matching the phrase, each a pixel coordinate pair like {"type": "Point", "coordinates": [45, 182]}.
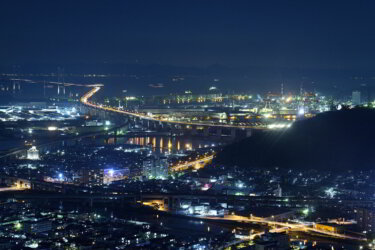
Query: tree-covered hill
{"type": "Point", "coordinates": [334, 140]}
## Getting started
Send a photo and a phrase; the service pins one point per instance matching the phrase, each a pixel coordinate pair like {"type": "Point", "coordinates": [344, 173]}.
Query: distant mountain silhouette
{"type": "Point", "coordinates": [336, 140]}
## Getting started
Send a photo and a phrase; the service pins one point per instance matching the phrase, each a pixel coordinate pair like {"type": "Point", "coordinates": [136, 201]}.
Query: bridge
{"type": "Point", "coordinates": [160, 123]}
{"type": "Point", "coordinates": [172, 201]}
{"type": "Point", "coordinates": [202, 128]}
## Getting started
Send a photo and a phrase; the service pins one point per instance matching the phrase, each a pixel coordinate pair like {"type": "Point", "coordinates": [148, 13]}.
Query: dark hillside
{"type": "Point", "coordinates": [333, 140]}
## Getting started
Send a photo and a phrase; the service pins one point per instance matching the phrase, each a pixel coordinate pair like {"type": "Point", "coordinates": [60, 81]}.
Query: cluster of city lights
{"type": "Point", "coordinates": [279, 126]}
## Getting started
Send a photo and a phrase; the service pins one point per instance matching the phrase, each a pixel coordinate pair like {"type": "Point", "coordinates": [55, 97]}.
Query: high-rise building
{"type": "Point", "coordinates": [91, 177]}
{"type": "Point", "coordinates": [33, 153]}
{"type": "Point", "coordinates": [155, 168]}
{"type": "Point", "coordinates": [161, 171]}
{"type": "Point", "coordinates": [356, 97]}
{"type": "Point", "coordinates": [147, 170]}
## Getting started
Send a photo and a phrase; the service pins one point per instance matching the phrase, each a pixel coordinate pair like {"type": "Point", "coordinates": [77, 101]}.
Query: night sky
{"type": "Point", "coordinates": [313, 35]}
{"type": "Point", "coordinates": [316, 34]}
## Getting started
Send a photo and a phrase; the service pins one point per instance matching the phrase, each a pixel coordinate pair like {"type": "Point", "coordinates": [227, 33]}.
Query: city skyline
{"type": "Point", "coordinates": [247, 45]}
{"type": "Point", "coordinates": [187, 125]}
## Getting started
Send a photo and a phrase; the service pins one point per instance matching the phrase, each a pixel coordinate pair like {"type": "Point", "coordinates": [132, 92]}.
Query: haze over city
{"type": "Point", "coordinates": [256, 45]}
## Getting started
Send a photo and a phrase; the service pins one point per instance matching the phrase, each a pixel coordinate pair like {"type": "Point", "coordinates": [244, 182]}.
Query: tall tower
{"type": "Point", "coordinates": [60, 80]}
{"type": "Point", "coordinates": [282, 89]}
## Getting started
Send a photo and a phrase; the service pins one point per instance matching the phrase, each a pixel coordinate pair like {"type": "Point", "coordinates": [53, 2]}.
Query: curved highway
{"type": "Point", "coordinates": [85, 100]}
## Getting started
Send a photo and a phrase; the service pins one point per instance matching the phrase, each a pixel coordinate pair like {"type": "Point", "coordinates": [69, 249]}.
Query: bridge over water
{"type": "Point", "coordinates": [195, 128]}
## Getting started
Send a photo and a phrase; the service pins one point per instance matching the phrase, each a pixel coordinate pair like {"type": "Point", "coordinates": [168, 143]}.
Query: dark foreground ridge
{"type": "Point", "coordinates": [337, 140]}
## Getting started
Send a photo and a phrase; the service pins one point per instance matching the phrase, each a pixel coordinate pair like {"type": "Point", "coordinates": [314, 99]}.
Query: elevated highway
{"type": "Point", "coordinates": [275, 226]}
{"type": "Point", "coordinates": [281, 227]}
{"type": "Point", "coordinates": [150, 121]}
{"type": "Point", "coordinates": [285, 226]}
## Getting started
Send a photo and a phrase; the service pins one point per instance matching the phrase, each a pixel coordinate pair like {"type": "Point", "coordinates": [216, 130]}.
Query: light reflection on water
{"type": "Point", "coordinates": [163, 143]}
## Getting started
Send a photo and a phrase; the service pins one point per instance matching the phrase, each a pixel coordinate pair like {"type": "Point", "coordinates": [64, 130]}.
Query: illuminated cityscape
{"type": "Point", "coordinates": [187, 125]}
